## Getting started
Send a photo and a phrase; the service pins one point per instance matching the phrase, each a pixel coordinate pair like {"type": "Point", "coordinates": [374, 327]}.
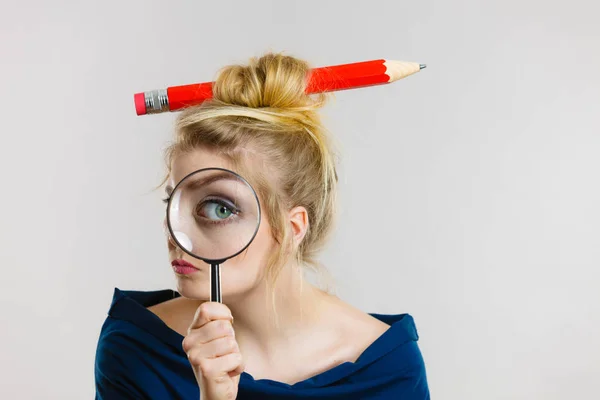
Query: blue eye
{"type": "Point", "coordinates": [213, 210]}
{"type": "Point", "coordinates": [216, 210]}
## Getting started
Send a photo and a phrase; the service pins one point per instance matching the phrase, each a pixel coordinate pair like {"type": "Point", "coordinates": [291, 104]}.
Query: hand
{"type": "Point", "coordinates": [213, 352]}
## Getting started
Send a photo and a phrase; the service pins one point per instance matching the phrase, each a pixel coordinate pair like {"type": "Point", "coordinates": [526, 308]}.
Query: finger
{"type": "Point", "coordinates": [211, 331]}
{"type": "Point", "coordinates": [215, 348]}
{"type": "Point", "coordinates": [210, 311]}
{"type": "Point", "coordinates": [238, 370]}
{"type": "Point", "coordinates": [220, 366]}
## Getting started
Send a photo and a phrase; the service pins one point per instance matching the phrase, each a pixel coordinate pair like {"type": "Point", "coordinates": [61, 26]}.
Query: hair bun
{"type": "Point", "coordinates": [274, 80]}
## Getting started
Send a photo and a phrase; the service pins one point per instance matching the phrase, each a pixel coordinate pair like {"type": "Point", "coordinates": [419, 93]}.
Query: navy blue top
{"type": "Point", "coordinates": [140, 357]}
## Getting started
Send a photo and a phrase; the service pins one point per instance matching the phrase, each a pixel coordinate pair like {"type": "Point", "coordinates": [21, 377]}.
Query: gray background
{"type": "Point", "coordinates": [469, 192]}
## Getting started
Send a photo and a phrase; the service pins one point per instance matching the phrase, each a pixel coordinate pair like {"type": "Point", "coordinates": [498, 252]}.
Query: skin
{"type": "Point", "coordinates": [312, 332]}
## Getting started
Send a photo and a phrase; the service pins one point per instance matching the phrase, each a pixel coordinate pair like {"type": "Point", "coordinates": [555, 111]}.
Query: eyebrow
{"type": "Point", "coordinates": [207, 180]}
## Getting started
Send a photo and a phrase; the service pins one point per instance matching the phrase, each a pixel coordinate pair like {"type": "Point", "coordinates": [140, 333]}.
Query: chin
{"type": "Point", "coordinates": [195, 289]}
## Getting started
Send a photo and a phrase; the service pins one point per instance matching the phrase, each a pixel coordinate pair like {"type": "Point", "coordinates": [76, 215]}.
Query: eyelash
{"type": "Point", "coordinates": [223, 203]}
{"type": "Point", "coordinates": [166, 201]}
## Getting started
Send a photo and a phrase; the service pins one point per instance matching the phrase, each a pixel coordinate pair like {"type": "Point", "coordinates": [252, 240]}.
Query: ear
{"type": "Point", "coordinates": [298, 217]}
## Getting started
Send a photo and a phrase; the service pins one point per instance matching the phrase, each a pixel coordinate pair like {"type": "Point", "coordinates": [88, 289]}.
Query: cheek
{"type": "Point", "coordinates": [252, 263]}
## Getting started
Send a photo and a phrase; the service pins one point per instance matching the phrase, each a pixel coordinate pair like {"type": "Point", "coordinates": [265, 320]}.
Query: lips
{"type": "Point", "coordinates": [183, 267]}
{"type": "Point", "coordinates": [182, 263]}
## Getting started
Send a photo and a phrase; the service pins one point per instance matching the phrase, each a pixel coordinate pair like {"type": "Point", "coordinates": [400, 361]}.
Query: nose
{"type": "Point", "coordinates": [170, 242]}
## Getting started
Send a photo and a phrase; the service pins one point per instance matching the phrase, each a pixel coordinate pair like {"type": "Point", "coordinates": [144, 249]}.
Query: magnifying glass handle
{"type": "Point", "coordinates": [215, 283]}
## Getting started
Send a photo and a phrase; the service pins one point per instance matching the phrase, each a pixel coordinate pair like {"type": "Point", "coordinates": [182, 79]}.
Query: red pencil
{"type": "Point", "coordinates": [324, 79]}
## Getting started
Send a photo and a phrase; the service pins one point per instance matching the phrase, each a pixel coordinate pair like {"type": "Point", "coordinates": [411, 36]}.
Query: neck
{"type": "Point", "coordinates": [267, 317]}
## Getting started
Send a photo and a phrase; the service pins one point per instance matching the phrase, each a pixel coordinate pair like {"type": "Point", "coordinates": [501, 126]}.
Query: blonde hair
{"type": "Point", "coordinates": [262, 108]}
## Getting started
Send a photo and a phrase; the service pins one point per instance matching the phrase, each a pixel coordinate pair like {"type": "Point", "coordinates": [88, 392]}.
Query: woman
{"type": "Point", "coordinates": [290, 340]}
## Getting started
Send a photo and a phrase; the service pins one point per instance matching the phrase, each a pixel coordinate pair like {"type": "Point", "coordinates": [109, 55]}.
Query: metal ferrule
{"type": "Point", "coordinates": [156, 101]}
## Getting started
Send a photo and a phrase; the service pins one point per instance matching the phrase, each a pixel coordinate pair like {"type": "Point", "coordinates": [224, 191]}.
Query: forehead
{"type": "Point", "coordinates": [193, 160]}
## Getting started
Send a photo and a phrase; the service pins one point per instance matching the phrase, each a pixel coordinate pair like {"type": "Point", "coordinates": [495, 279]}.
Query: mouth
{"type": "Point", "coordinates": [183, 267]}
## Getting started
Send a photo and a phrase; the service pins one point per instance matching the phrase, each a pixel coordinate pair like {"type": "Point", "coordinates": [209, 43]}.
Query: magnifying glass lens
{"type": "Point", "coordinates": [213, 214]}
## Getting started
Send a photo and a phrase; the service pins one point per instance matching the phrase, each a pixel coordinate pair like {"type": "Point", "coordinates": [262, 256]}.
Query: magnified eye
{"type": "Point", "coordinates": [215, 210]}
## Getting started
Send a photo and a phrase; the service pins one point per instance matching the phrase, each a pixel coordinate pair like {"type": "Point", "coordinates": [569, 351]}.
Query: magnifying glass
{"type": "Point", "coordinates": [213, 214]}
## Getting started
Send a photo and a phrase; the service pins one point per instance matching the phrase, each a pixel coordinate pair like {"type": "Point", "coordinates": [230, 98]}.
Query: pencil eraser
{"type": "Point", "coordinates": [140, 103]}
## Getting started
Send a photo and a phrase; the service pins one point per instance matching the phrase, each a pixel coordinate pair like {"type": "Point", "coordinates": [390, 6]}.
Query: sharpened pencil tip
{"type": "Point", "coordinates": [422, 66]}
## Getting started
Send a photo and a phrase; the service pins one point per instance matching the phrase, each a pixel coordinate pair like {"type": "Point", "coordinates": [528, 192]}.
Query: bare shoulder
{"type": "Point", "coordinates": [358, 330]}
{"type": "Point", "coordinates": [176, 313]}
{"type": "Point", "coordinates": [368, 325]}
